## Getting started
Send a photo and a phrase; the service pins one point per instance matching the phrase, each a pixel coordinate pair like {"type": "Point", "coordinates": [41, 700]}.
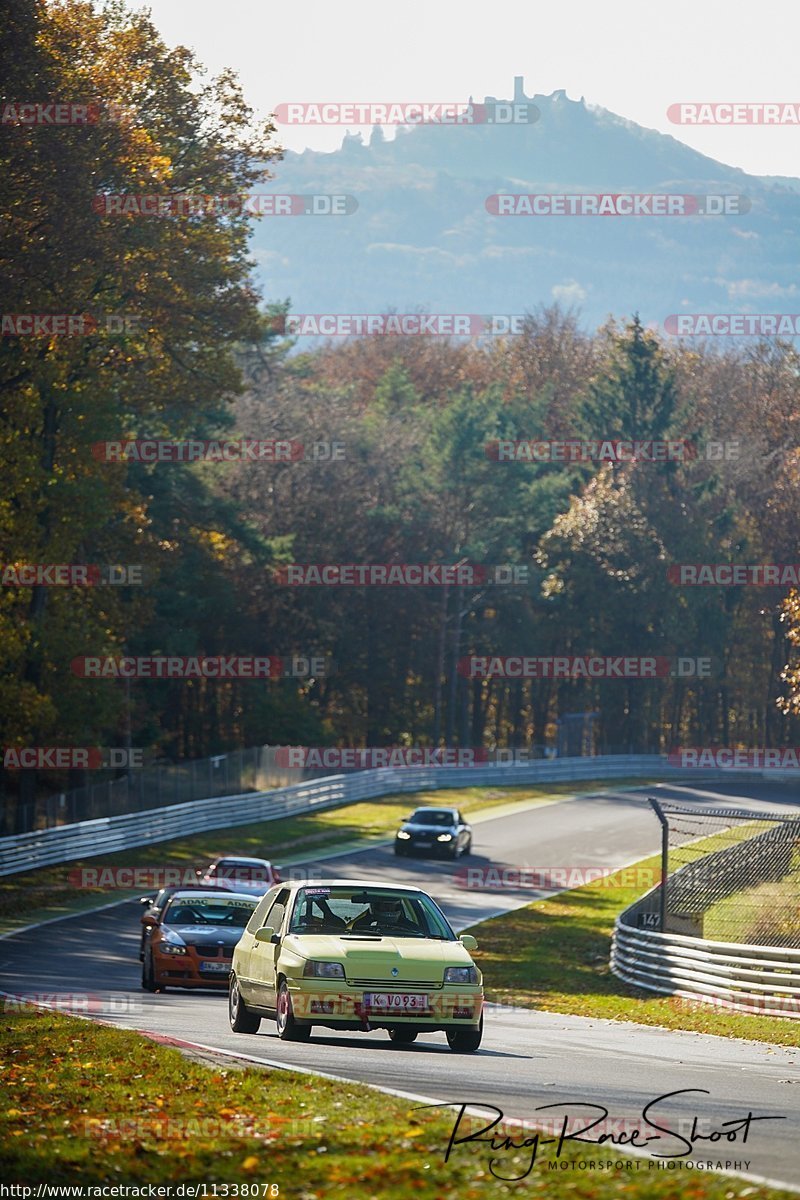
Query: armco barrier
{"type": "Point", "coordinates": [754, 979]}
{"type": "Point", "coordinates": [732, 975]}
{"type": "Point", "coordinates": [106, 835]}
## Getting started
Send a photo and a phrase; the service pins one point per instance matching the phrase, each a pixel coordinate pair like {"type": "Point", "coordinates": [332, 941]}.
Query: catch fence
{"type": "Point", "coordinates": [723, 925]}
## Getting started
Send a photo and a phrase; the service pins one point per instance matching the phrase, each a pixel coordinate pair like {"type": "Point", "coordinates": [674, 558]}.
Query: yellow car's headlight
{"type": "Point", "coordinates": [460, 975]}
{"type": "Point", "coordinates": [323, 970]}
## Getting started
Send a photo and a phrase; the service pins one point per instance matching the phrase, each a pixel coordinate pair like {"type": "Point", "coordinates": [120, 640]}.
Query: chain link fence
{"type": "Point", "coordinates": [731, 876]}
{"type": "Point", "coordinates": [156, 786]}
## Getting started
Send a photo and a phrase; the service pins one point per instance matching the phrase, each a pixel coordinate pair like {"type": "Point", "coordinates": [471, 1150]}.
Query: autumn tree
{"type": "Point", "coordinates": [184, 282]}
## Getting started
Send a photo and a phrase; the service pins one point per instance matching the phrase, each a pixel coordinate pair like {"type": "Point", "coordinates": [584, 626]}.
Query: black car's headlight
{"type": "Point", "coordinates": [404, 837]}
{"type": "Point", "coordinates": [460, 975]}
{"type": "Point", "coordinates": [445, 837]}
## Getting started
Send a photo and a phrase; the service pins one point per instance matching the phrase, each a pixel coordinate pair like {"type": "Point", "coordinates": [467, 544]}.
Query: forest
{"type": "Point", "coordinates": [392, 459]}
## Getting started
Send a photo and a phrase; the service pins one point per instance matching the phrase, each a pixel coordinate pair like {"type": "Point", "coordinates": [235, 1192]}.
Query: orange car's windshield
{"type": "Point", "coordinates": [203, 912]}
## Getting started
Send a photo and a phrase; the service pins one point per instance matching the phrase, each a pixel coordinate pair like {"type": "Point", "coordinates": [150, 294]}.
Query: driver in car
{"type": "Point", "coordinates": [384, 913]}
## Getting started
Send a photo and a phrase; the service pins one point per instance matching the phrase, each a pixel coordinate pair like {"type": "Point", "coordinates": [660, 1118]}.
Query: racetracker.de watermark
{"type": "Point", "coordinates": [277, 450]}
{"type": "Point", "coordinates": [52, 325]}
{"type": "Point", "coordinates": [62, 113]}
{"type": "Point", "coordinates": [398, 324]}
{"type": "Point", "coordinates": [770, 1005]}
{"type": "Point", "coordinates": [406, 112]}
{"type": "Point", "coordinates": [734, 112]}
{"type": "Point", "coordinates": [764, 325]}
{"type": "Point", "coordinates": [785, 758]}
{"type": "Point", "coordinates": [356, 758]}
{"type": "Point", "coordinates": [583, 666]}
{"type": "Point", "coordinates": [261, 204]}
{"type": "Point", "coordinates": [71, 758]}
{"type": "Point", "coordinates": [615, 204]}
{"type": "Point", "coordinates": [154, 878]}
{"type": "Point", "coordinates": [215, 667]}
{"type": "Point", "coordinates": [600, 449]}
{"type": "Point", "coordinates": [734, 574]}
{"type": "Point", "coordinates": [167, 1128]}
{"type": "Point", "coordinates": [95, 1004]}
{"type": "Point", "coordinates": [554, 878]}
{"type": "Point", "coordinates": [398, 574]}
{"type": "Point", "coordinates": [70, 574]}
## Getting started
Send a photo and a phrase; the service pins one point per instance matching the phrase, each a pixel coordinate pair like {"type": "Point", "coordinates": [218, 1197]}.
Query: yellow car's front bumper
{"type": "Point", "coordinates": [341, 1005]}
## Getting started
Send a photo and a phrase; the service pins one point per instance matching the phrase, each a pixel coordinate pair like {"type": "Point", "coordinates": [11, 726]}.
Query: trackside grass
{"type": "Point", "coordinates": [767, 913]}
{"type": "Point", "coordinates": [86, 1104]}
{"type": "Point", "coordinates": [554, 955]}
{"type": "Point", "coordinates": [49, 892]}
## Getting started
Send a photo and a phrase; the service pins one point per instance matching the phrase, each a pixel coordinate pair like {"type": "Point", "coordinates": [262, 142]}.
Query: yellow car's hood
{"type": "Point", "coordinates": [413, 959]}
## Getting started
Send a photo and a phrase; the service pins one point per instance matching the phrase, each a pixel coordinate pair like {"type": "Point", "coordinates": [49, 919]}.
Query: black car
{"type": "Point", "coordinates": [437, 830]}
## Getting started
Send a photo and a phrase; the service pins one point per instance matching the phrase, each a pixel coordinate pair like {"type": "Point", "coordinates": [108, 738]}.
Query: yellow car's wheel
{"type": "Point", "coordinates": [288, 1029]}
{"type": "Point", "coordinates": [241, 1019]}
{"type": "Point", "coordinates": [465, 1041]}
{"type": "Point", "coordinates": [403, 1035]}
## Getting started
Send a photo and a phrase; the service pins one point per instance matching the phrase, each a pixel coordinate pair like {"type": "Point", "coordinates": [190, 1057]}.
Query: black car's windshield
{"type": "Point", "coordinates": [198, 910]}
{"type": "Point", "coordinates": [381, 912]}
{"type": "Point", "coordinates": [430, 816]}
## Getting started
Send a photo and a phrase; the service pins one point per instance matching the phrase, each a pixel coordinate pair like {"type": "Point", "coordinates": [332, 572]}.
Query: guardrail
{"type": "Point", "coordinates": [105, 835]}
{"type": "Point", "coordinates": [754, 979]}
{"type": "Point", "coordinates": [658, 942]}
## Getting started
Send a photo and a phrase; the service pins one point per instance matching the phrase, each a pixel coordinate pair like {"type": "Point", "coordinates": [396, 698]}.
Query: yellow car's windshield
{"type": "Point", "coordinates": [381, 912]}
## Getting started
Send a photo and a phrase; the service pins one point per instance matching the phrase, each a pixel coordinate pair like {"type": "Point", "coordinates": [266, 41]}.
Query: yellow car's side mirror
{"type": "Point", "coordinates": [266, 934]}
{"type": "Point", "coordinates": [468, 941]}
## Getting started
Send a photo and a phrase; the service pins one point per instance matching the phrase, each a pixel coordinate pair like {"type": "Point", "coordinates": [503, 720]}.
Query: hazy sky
{"type": "Point", "coordinates": [635, 58]}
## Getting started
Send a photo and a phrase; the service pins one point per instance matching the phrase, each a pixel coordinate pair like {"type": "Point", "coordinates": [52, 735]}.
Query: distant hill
{"type": "Point", "coordinates": [422, 239]}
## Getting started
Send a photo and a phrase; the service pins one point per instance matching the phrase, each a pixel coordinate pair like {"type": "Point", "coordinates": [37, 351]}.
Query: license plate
{"type": "Point", "coordinates": [425, 845]}
{"type": "Point", "coordinates": [396, 1001]}
{"type": "Point", "coordinates": [216, 967]}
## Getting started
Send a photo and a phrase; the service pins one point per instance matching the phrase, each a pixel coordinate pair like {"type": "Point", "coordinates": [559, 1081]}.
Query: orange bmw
{"type": "Point", "coordinates": [190, 942]}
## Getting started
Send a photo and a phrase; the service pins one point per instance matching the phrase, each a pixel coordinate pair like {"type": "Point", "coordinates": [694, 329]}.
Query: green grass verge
{"type": "Point", "coordinates": [47, 892]}
{"type": "Point", "coordinates": [92, 1105]}
{"type": "Point", "coordinates": [768, 913]}
{"type": "Point", "coordinates": [554, 955]}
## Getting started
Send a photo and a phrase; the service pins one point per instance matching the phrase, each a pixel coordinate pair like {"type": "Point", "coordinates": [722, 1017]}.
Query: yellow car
{"type": "Point", "coordinates": [355, 955]}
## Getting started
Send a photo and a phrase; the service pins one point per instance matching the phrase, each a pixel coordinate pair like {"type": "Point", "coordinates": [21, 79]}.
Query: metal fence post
{"type": "Point", "coordinates": [662, 899]}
